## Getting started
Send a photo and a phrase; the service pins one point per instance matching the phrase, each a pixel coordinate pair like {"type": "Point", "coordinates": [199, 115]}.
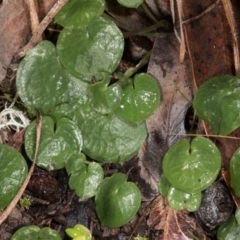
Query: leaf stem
{"type": "Point", "coordinates": [132, 70]}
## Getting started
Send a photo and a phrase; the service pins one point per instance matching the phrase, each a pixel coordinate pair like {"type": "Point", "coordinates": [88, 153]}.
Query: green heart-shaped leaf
{"type": "Point", "coordinates": [55, 145]}
{"type": "Point", "coordinates": [103, 98]}
{"type": "Point", "coordinates": [41, 80]}
{"type": "Point", "coordinates": [79, 12]}
{"type": "Point", "coordinates": [140, 98]}
{"type": "Point", "coordinates": [130, 3]}
{"type": "Point", "coordinates": [178, 200]}
{"type": "Point", "coordinates": [117, 201]}
{"type": "Point", "coordinates": [86, 180]}
{"type": "Point", "coordinates": [13, 171]}
{"type": "Point", "coordinates": [107, 138]}
{"type": "Point", "coordinates": [217, 103]}
{"type": "Point", "coordinates": [87, 51]}
{"type": "Point", "coordinates": [235, 172]}
{"type": "Point", "coordinates": [192, 167]}
{"type": "Point", "coordinates": [34, 232]}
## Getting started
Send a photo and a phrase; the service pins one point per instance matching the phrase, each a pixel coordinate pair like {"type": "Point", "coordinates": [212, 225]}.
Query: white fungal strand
{"type": "Point", "coordinates": [14, 119]}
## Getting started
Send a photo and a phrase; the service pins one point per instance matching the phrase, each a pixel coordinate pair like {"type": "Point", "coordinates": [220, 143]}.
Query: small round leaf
{"type": "Point", "coordinates": [13, 171]}
{"type": "Point", "coordinates": [86, 180]}
{"type": "Point", "coordinates": [107, 138]}
{"type": "Point", "coordinates": [140, 98]}
{"type": "Point", "coordinates": [117, 201]}
{"type": "Point", "coordinates": [192, 167]}
{"type": "Point", "coordinates": [55, 145]}
{"type": "Point", "coordinates": [130, 3]}
{"type": "Point", "coordinates": [178, 200]}
{"type": "Point", "coordinates": [87, 51]}
{"type": "Point", "coordinates": [217, 103]}
{"type": "Point", "coordinates": [79, 12]}
{"type": "Point", "coordinates": [104, 98]}
{"type": "Point", "coordinates": [34, 232]}
{"type": "Point", "coordinates": [235, 172]}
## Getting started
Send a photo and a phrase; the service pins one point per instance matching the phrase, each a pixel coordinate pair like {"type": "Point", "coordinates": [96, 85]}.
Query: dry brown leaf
{"type": "Point", "coordinates": [176, 225]}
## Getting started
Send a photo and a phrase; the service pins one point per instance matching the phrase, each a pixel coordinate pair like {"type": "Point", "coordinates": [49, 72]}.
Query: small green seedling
{"type": "Point", "coordinates": [25, 202]}
{"type": "Point", "coordinates": [138, 237]}
{"type": "Point", "coordinates": [79, 232]}
{"type": "Point", "coordinates": [117, 201]}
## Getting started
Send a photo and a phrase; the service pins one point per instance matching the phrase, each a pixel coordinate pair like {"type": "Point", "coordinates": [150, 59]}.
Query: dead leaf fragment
{"type": "Point", "coordinates": [174, 224]}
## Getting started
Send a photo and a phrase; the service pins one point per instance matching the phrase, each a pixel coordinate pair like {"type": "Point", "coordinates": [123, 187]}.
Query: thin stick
{"type": "Point", "coordinates": [204, 135]}
{"type": "Point", "coordinates": [229, 15]}
{"type": "Point", "coordinates": [42, 26]}
{"type": "Point", "coordinates": [33, 11]}
{"type": "Point", "coordinates": [182, 43]}
{"type": "Point", "coordinates": [208, 9]}
{"type": "Point", "coordinates": [15, 200]}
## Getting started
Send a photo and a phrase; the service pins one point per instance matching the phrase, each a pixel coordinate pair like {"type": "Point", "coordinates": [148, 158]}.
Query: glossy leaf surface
{"type": "Point", "coordinates": [130, 3]}
{"type": "Point", "coordinates": [117, 201]}
{"type": "Point", "coordinates": [86, 180]}
{"type": "Point", "coordinates": [104, 99]}
{"type": "Point", "coordinates": [107, 138]}
{"type": "Point", "coordinates": [35, 233]}
{"type": "Point", "coordinates": [235, 172]}
{"type": "Point", "coordinates": [41, 80]}
{"type": "Point", "coordinates": [13, 171]}
{"type": "Point", "coordinates": [79, 232]}
{"type": "Point", "coordinates": [217, 102]}
{"type": "Point", "coordinates": [79, 12]}
{"type": "Point", "coordinates": [140, 98]}
{"type": "Point", "coordinates": [178, 200]}
{"type": "Point", "coordinates": [192, 167]}
{"type": "Point", "coordinates": [55, 145]}
{"type": "Point", "coordinates": [91, 49]}
{"type": "Point", "coordinates": [75, 162]}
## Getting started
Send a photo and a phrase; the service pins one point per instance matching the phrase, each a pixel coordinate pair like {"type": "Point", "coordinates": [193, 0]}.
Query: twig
{"type": "Point", "coordinates": [37, 200]}
{"type": "Point", "coordinates": [204, 135]}
{"type": "Point", "coordinates": [15, 200]}
{"type": "Point", "coordinates": [229, 15]}
{"type": "Point", "coordinates": [208, 9]}
{"type": "Point", "coordinates": [132, 70]}
{"type": "Point", "coordinates": [33, 11]}
{"type": "Point", "coordinates": [182, 43]}
{"type": "Point", "coordinates": [180, 38]}
{"type": "Point", "coordinates": [42, 26]}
